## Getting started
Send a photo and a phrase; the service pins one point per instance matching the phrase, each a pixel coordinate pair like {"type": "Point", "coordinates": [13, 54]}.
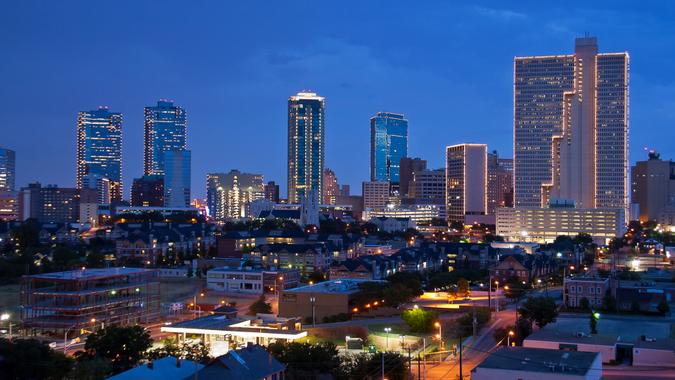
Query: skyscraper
{"type": "Point", "coordinates": [571, 128]}
{"type": "Point", "coordinates": [306, 136]}
{"type": "Point", "coordinates": [177, 178]}
{"type": "Point", "coordinates": [148, 191]}
{"type": "Point", "coordinates": [388, 144]}
{"type": "Point", "coordinates": [653, 187]}
{"type": "Point", "coordinates": [165, 130]}
{"type": "Point", "coordinates": [500, 182]}
{"type": "Point", "coordinates": [7, 169]}
{"type": "Point", "coordinates": [466, 178]}
{"type": "Point", "coordinates": [272, 191]}
{"type": "Point", "coordinates": [99, 148]}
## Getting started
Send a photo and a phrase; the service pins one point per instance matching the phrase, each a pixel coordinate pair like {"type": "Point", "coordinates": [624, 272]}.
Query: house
{"type": "Point", "coordinates": [523, 267]}
{"type": "Point", "coordinates": [540, 364]}
{"type": "Point", "coordinates": [593, 289]}
{"type": "Point", "coordinates": [166, 368]}
{"type": "Point", "coordinates": [392, 225]}
{"type": "Point", "coordinates": [250, 363]}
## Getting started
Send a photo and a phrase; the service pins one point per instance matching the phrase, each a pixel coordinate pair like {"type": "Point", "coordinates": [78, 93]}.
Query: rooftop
{"type": "Point", "coordinates": [540, 360]}
{"type": "Point", "coordinates": [550, 335]}
{"type": "Point", "coordinates": [162, 369]}
{"type": "Point", "coordinates": [252, 362]}
{"type": "Point", "coordinates": [90, 274]}
{"type": "Point", "coordinates": [344, 286]}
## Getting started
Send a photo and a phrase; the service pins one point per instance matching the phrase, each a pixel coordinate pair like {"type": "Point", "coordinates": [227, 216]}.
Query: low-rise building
{"type": "Point", "coordinates": [544, 224]}
{"type": "Point", "coordinates": [392, 224]}
{"type": "Point", "coordinates": [222, 333]}
{"type": "Point", "coordinates": [540, 364]}
{"type": "Point", "coordinates": [593, 289]}
{"type": "Point", "coordinates": [523, 267]}
{"type": "Point", "coordinates": [320, 300]}
{"type": "Point", "coordinates": [251, 280]}
{"type": "Point", "coordinates": [166, 368]}
{"type": "Point", "coordinates": [252, 362]}
{"type": "Point", "coordinates": [307, 258]}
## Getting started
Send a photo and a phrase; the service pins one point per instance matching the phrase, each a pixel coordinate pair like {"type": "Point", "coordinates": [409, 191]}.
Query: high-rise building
{"type": "Point", "coordinates": [177, 178]}
{"type": "Point", "coordinates": [408, 167]}
{"type": "Point", "coordinates": [9, 205]}
{"type": "Point", "coordinates": [7, 169]}
{"type": "Point", "coordinates": [148, 191]}
{"type": "Point", "coordinates": [99, 149]}
{"type": "Point", "coordinates": [306, 125]}
{"type": "Point", "coordinates": [49, 204]}
{"type": "Point", "coordinates": [428, 187]}
{"type": "Point", "coordinates": [375, 195]}
{"type": "Point", "coordinates": [272, 191]}
{"type": "Point", "coordinates": [653, 186]}
{"type": "Point", "coordinates": [230, 194]}
{"type": "Point", "coordinates": [571, 128]}
{"type": "Point", "coordinates": [345, 190]}
{"type": "Point", "coordinates": [466, 181]}
{"type": "Point", "coordinates": [388, 144]}
{"type": "Point", "coordinates": [165, 130]}
{"type": "Point", "coordinates": [101, 185]}
{"type": "Point", "coordinates": [500, 182]}
{"type": "Point", "coordinates": [331, 189]}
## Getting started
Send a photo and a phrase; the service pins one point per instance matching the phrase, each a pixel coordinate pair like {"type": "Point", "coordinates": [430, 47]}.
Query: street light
{"type": "Point", "coordinates": [5, 317]}
{"type": "Point", "coordinates": [440, 332]}
{"type": "Point", "coordinates": [312, 299]}
{"type": "Point", "coordinates": [387, 330]}
{"type": "Point", "coordinates": [508, 338]}
{"type": "Point", "coordinates": [497, 297]}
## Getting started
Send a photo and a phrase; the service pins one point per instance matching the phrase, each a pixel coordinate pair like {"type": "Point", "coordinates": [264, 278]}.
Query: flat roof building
{"type": "Point", "coordinates": [89, 298]}
{"type": "Point", "coordinates": [540, 364]}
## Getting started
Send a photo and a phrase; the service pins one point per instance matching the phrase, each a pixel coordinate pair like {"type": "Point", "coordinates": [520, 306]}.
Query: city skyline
{"type": "Point", "coordinates": [220, 143]}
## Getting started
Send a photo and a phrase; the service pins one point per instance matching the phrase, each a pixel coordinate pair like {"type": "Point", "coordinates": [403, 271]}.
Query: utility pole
{"type": "Point", "coordinates": [490, 293]}
{"type": "Point", "coordinates": [382, 365]}
{"type": "Point", "coordinates": [419, 367]}
{"type": "Point", "coordinates": [460, 358]}
{"type": "Point", "coordinates": [410, 362]}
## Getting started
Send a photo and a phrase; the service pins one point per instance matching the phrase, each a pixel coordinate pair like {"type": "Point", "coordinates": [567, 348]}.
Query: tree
{"type": "Point", "coordinates": [95, 259]}
{"type": "Point", "coordinates": [593, 321]}
{"type": "Point", "coordinates": [540, 310]}
{"type": "Point", "coordinates": [584, 304]}
{"type": "Point", "coordinates": [583, 239]}
{"type": "Point", "coordinates": [91, 369]}
{"type": "Point", "coordinates": [197, 351]}
{"type": "Point", "coordinates": [305, 360]}
{"type": "Point", "coordinates": [31, 359]}
{"type": "Point", "coordinates": [64, 258]}
{"type": "Point", "coordinates": [515, 289]}
{"type": "Point", "coordinates": [260, 306]}
{"type": "Point", "coordinates": [663, 307]}
{"type": "Point", "coordinates": [369, 366]}
{"type": "Point", "coordinates": [412, 281]}
{"type": "Point", "coordinates": [396, 294]}
{"type": "Point", "coordinates": [462, 288]}
{"type": "Point", "coordinates": [123, 347]}
{"type": "Point", "coordinates": [419, 320]}
{"type": "Point", "coordinates": [523, 330]}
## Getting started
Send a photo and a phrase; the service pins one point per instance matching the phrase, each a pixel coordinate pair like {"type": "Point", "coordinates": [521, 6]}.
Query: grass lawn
{"type": "Point", "coordinates": [316, 339]}
{"type": "Point", "coordinates": [396, 329]}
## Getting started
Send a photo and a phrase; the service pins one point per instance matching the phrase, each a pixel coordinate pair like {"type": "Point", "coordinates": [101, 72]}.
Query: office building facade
{"type": "Point", "coordinates": [331, 189]}
{"type": "Point", "coordinates": [148, 191]}
{"type": "Point", "coordinates": [375, 195]}
{"type": "Point", "coordinates": [653, 187]}
{"type": "Point", "coordinates": [388, 144]}
{"type": "Point", "coordinates": [466, 181]}
{"type": "Point", "coordinates": [272, 191]}
{"type": "Point", "coordinates": [177, 174]}
{"type": "Point", "coordinates": [7, 169]}
{"type": "Point", "coordinates": [408, 168]}
{"type": "Point", "coordinates": [49, 203]}
{"type": "Point", "coordinates": [571, 128]}
{"type": "Point", "coordinates": [306, 141]}
{"type": "Point", "coordinates": [165, 130]}
{"type": "Point", "coordinates": [99, 148]}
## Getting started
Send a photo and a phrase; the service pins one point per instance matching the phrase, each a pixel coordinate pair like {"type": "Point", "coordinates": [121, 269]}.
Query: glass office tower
{"type": "Point", "coordinates": [388, 144]}
{"type": "Point", "coordinates": [305, 145]}
{"type": "Point", "coordinates": [99, 148]}
{"type": "Point", "coordinates": [177, 178]}
{"type": "Point", "coordinates": [165, 130]}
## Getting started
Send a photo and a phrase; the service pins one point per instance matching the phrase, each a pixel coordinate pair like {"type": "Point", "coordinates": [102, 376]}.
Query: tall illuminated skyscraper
{"type": "Point", "coordinates": [466, 181]}
{"type": "Point", "coordinates": [306, 118]}
{"type": "Point", "coordinates": [165, 130]}
{"type": "Point", "coordinates": [99, 148]}
{"type": "Point", "coordinates": [571, 128]}
{"type": "Point", "coordinates": [388, 144]}
{"type": "Point", "coordinates": [177, 178]}
{"type": "Point", "coordinates": [7, 169]}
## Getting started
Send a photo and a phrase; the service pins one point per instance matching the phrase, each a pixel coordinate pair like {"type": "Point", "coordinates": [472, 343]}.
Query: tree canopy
{"type": "Point", "coordinates": [539, 310]}
{"type": "Point", "coordinates": [123, 347]}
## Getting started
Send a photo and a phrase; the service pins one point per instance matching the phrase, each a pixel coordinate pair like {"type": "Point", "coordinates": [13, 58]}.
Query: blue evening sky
{"type": "Point", "coordinates": [232, 65]}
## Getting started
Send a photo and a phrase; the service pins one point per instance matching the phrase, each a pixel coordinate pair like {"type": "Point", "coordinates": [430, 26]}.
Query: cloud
{"type": "Point", "coordinates": [502, 14]}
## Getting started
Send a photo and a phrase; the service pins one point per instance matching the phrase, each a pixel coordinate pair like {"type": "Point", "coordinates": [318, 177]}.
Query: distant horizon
{"type": "Point", "coordinates": [448, 68]}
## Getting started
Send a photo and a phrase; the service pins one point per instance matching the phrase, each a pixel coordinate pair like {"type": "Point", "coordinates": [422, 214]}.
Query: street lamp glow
{"type": "Point", "coordinates": [596, 315]}
{"type": "Point", "coordinates": [4, 317]}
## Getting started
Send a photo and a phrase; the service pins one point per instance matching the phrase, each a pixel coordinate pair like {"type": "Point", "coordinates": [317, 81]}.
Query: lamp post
{"type": "Point", "coordinates": [312, 299]}
{"type": "Point", "coordinates": [5, 317]}
{"type": "Point", "coordinates": [276, 284]}
{"type": "Point", "coordinates": [497, 297]}
{"type": "Point", "coordinates": [508, 338]}
{"type": "Point", "coordinates": [387, 330]}
{"type": "Point", "coordinates": [65, 337]}
{"type": "Point", "coordinates": [440, 332]}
